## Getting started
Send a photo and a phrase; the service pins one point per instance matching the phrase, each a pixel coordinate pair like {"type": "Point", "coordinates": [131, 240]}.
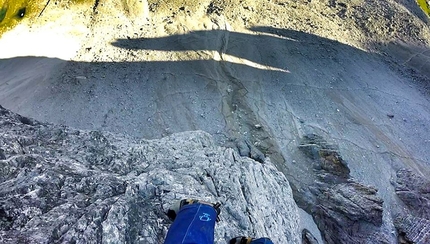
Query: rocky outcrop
{"type": "Point", "coordinates": [60, 185]}
{"type": "Point", "coordinates": [308, 238]}
{"type": "Point", "coordinates": [344, 210]}
{"type": "Point", "coordinates": [414, 191]}
{"type": "Point", "coordinates": [413, 224]}
{"type": "Point", "coordinates": [246, 149]}
{"type": "Point", "coordinates": [412, 229]}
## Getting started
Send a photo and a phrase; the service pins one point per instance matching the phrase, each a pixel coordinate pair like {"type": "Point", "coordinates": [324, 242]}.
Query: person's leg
{"type": "Point", "coordinates": [263, 240]}
{"type": "Point", "coordinates": [194, 224]}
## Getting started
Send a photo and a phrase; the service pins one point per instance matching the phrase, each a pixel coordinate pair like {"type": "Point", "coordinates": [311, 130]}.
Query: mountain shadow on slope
{"type": "Point", "coordinates": [156, 98]}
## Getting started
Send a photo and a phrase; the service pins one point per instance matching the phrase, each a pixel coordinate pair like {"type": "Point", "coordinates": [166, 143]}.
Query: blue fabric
{"type": "Point", "coordinates": [262, 241]}
{"type": "Point", "coordinates": [194, 224]}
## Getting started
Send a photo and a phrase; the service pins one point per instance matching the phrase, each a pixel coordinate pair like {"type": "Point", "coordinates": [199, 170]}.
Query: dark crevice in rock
{"type": "Point", "coordinates": [6, 221]}
{"type": "Point", "coordinates": [2, 155]}
{"type": "Point", "coordinates": [25, 120]}
{"type": "Point", "coordinates": [96, 4]}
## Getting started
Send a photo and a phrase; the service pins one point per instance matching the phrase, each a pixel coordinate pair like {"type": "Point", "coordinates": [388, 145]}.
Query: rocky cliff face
{"type": "Point", "coordinates": [344, 210]}
{"type": "Point", "coordinates": [332, 95]}
{"type": "Point", "coordinates": [413, 223]}
{"type": "Point", "coordinates": [63, 185]}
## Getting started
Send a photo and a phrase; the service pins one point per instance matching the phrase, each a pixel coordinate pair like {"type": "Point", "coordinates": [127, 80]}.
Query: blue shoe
{"type": "Point", "coordinates": [174, 209]}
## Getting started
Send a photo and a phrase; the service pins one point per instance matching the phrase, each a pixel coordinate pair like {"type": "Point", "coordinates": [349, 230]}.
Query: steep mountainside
{"type": "Point", "coordinates": [334, 94]}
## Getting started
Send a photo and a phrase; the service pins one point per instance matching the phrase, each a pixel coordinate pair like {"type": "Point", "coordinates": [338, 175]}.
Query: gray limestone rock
{"type": "Point", "coordinates": [412, 229]}
{"type": "Point", "coordinates": [247, 149]}
{"type": "Point", "coordinates": [344, 210]}
{"type": "Point", "coordinates": [325, 156]}
{"type": "Point", "coordinates": [60, 185]}
{"type": "Point", "coordinates": [414, 191]}
{"type": "Point", "coordinates": [413, 225]}
{"type": "Point", "coordinates": [308, 238]}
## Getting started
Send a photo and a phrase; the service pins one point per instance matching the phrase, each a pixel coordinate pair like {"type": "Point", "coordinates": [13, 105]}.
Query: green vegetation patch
{"type": "Point", "coordinates": [424, 6]}
{"type": "Point", "coordinates": [12, 11]}
{"type": "Point", "coordinates": [3, 12]}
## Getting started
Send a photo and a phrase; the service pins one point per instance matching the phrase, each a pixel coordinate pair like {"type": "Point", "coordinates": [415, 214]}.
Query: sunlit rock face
{"type": "Point", "coordinates": [58, 184]}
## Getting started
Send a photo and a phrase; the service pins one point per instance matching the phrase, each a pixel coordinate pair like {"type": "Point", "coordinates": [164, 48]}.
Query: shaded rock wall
{"type": "Point", "coordinates": [413, 222]}
{"type": "Point", "coordinates": [63, 185]}
{"type": "Point", "coordinates": [344, 210]}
